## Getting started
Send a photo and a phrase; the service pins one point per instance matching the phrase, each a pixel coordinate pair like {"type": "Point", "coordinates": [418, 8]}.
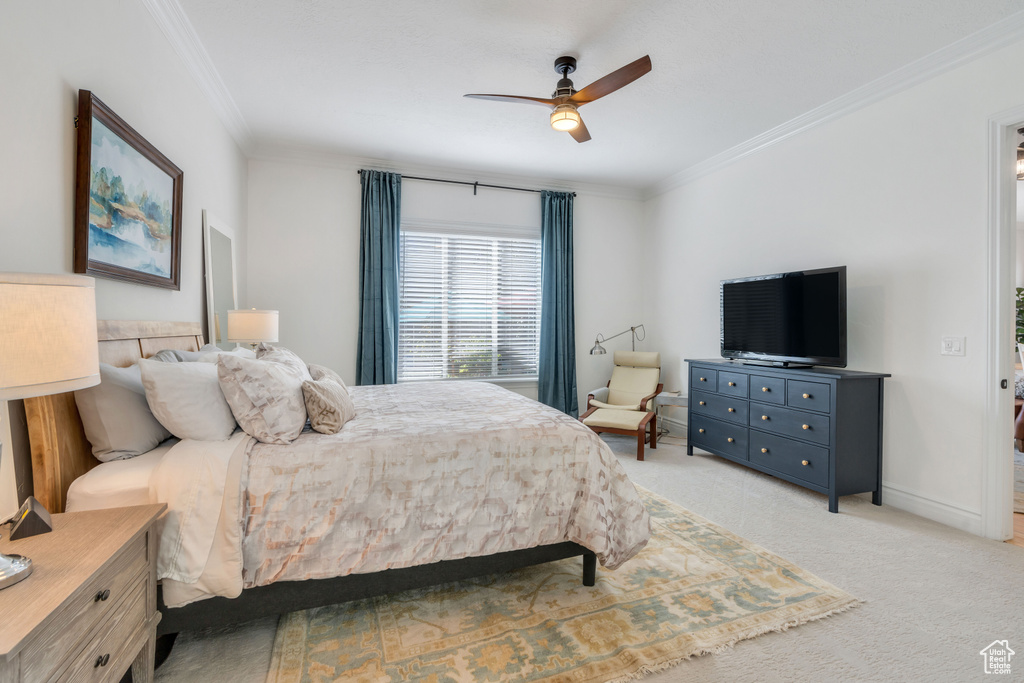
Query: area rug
{"type": "Point", "coordinates": [695, 589]}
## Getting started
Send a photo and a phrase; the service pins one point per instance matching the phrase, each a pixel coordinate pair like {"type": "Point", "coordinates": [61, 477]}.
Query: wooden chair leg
{"type": "Point", "coordinates": [654, 431]}
{"type": "Point", "coordinates": [640, 438]}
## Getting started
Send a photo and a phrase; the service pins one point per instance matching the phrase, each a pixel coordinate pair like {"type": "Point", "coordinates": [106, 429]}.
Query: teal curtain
{"type": "Point", "coordinates": [377, 352]}
{"type": "Point", "coordinates": [556, 382]}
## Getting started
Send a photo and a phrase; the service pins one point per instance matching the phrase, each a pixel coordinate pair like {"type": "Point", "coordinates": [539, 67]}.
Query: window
{"type": "Point", "coordinates": [469, 303]}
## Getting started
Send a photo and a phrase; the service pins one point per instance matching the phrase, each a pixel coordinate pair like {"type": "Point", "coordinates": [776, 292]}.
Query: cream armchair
{"type": "Point", "coordinates": [626, 405]}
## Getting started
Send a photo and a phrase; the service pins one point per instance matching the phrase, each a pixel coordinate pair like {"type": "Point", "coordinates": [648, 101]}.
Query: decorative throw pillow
{"type": "Point", "coordinates": [279, 354]}
{"type": "Point", "coordinates": [179, 356]}
{"type": "Point", "coordinates": [239, 351]}
{"type": "Point", "coordinates": [319, 372]}
{"type": "Point", "coordinates": [187, 399]}
{"type": "Point", "coordinates": [265, 397]}
{"type": "Point", "coordinates": [329, 405]}
{"type": "Point", "coordinates": [116, 416]}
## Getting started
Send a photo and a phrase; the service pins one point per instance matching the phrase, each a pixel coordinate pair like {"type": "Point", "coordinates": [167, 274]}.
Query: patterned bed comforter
{"type": "Point", "coordinates": [434, 471]}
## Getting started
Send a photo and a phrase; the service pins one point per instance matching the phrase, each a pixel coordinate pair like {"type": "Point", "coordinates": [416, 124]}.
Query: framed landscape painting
{"type": "Point", "coordinates": [127, 202]}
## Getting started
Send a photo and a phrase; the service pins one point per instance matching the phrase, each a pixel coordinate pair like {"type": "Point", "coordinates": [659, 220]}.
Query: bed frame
{"type": "Point", "coordinates": [61, 453]}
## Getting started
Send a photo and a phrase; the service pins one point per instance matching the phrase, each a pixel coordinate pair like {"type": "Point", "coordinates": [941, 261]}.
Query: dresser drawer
{"type": "Point", "coordinates": [93, 602]}
{"type": "Point", "coordinates": [809, 395]}
{"type": "Point", "coordinates": [807, 426]}
{"type": "Point", "coordinates": [107, 655]}
{"type": "Point", "coordinates": [732, 384]}
{"type": "Point", "coordinates": [719, 437]}
{"type": "Point", "coordinates": [721, 407]}
{"type": "Point", "coordinates": [800, 460]}
{"type": "Point", "coordinates": [704, 379]}
{"type": "Point", "coordinates": [768, 389]}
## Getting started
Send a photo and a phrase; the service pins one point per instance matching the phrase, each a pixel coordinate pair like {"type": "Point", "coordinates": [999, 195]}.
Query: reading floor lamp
{"type": "Point", "coordinates": [47, 346]}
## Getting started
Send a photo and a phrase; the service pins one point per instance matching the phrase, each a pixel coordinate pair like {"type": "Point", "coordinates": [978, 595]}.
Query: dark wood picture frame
{"type": "Point", "coordinates": [90, 108]}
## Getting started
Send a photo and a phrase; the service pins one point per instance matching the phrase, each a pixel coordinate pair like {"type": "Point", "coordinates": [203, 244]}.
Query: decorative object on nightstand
{"type": "Point", "coordinates": [47, 346]}
{"type": "Point", "coordinates": [90, 611]}
{"type": "Point", "coordinates": [252, 327]}
{"type": "Point", "coordinates": [639, 334]}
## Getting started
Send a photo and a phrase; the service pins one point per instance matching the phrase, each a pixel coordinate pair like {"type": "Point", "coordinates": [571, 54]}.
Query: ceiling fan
{"type": "Point", "coordinates": [566, 100]}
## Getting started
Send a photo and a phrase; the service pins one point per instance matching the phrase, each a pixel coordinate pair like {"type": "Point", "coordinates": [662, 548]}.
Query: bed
{"type": "Point", "coordinates": [61, 454]}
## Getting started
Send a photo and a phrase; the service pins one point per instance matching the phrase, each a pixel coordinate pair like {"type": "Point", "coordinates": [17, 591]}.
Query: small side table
{"type": "Point", "coordinates": [88, 610]}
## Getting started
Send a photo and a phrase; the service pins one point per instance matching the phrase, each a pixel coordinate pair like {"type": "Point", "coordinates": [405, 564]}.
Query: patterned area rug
{"type": "Point", "coordinates": [695, 589]}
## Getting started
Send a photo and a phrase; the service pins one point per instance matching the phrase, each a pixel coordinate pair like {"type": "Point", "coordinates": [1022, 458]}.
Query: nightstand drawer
{"type": "Point", "coordinates": [795, 423]}
{"type": "Point", "coordinates": [767, 389]}
{"type": "Point", "coordinates": [720, 407]}
{"type": "Point", "coordinates": [107, 655]}
{"type": "Point", "coordinates": [704, 379]}
{"type": "Point", "coordinates": [719, 437]}
{"type": "Point", "coordinates": [788, 457]}
{"type": "Point", "coordinates": [809, 395]}
{"type": "Point", "coordinates": [93, 602]}
{"type": "Point", "coordinates": [732, 384]}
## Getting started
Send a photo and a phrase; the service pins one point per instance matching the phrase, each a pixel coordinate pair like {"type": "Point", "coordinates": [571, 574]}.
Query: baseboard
{"type": "Point", "coordinates": [675, 427]}
{"type": "Point", "coordinates": [944, 512]}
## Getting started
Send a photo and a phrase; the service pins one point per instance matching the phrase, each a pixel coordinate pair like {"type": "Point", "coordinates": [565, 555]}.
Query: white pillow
{"type": "Point", "coordinates": [187, 399]}
{"type": "Point", "coordinates": [265, 397]}
{"type": "Point", "coordinates": [116, 416]}
{"type": "Point", "coordinates": [240, 352]}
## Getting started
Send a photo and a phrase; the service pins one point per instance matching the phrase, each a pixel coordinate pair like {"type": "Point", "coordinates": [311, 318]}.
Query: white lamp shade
{"type": "Point", "coordinates": [252, 326]}
{"type": "Point", "coordinates": [47, 334]}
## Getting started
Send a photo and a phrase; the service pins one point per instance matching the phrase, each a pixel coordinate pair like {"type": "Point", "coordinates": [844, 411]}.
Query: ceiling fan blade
{"type": "Point", "coordinates": [613, 81]}
{"type": "Point", "coordinates": [516, 98]}
{"type": "Point", "coordinates": [580, 132]}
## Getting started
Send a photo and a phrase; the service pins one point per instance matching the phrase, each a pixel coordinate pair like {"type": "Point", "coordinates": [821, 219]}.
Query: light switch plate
{"type": "Point", "coordinates": [953, 346]}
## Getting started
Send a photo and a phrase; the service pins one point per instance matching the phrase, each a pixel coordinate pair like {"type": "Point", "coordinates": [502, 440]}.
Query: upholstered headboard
{"type": "Point", "coordinates": [60, 451]}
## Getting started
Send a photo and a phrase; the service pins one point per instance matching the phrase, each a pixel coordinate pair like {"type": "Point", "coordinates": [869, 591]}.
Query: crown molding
{"type": "Point", "coordinates": [979, 44]}
{"type": "Point", "coordinates": [294, 154]}
{"type": "Point", "coordinates": [171, 19]}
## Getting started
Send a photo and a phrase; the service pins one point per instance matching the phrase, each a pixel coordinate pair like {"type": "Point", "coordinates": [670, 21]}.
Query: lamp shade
{"type": "Point", "coordinates": [47, 334]}
{"type": "Point", "coordinates": [565, 117]}
{"type": "Point", "coordinates": [252, 326]}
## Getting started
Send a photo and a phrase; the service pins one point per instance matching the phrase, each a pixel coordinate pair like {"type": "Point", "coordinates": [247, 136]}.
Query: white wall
{"type": "Point", "coordinates": [303, 254]}
{"type": "Point", "coordinates": [113, 48]}
{"type": "Point", "coordinates": [898, 192]}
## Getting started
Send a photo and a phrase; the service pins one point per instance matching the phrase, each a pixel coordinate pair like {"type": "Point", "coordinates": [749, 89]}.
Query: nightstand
{"type": "Point", "coordinates": [88, 610]}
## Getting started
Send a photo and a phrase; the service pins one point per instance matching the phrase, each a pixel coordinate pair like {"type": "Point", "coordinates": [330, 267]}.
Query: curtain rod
{"type": "Point", "coordinates": [474, 185]}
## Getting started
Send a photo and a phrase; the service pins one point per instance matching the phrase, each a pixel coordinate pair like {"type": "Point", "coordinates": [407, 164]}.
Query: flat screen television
{"type": "Point", "coordinates": [785, 319]}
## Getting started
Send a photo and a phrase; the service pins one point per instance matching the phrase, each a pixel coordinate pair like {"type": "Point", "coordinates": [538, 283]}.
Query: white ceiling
{"type": "Point", "coordinates": [385, 79]}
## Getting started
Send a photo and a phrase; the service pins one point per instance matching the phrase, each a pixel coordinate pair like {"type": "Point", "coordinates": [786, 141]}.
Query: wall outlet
{"type": "Point", "coordinates": [953, 346]}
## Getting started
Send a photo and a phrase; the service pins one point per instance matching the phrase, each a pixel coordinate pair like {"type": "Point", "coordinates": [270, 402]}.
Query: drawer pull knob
{"type": "Point", "coordinates": [703, 379]}
{"type": "Point", "coordinates": [807, 426]}
{"type": "Point", "coordinates": [730, 439]}
{"type": "Point", "coordinates": [102, 595]}
{"type": "Point", "coordinates": [764, 450]}
{"type": "Point", "coordinates": [764, 388]}
{"type": "Point", "coordinates": [732, 384]}
{"type": "Point", "coordinates": [764, 417]}
{"type": "Point", "coordinates": [101, 661]}
{"type": "Point", "coordinates": [702, 402]}
{"type": "Point", "coordinates": [701, 431]}
{"type": "Point", "coordinates": [732, 410]}
{"type": "Point", "coordinates": [807, 395]}
{"type": "Point", "coordinates": [805, 463]}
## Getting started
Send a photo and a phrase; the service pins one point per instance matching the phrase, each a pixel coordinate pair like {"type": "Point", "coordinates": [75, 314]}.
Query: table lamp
{"type": "Point", "coordinates": [252, 327]}
{"type": "Point", "coordinates": [47, 346]}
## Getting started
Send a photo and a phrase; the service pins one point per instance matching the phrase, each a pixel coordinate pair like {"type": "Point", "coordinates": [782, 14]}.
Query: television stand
{"type": "Point", "coordinates": [820, 428]}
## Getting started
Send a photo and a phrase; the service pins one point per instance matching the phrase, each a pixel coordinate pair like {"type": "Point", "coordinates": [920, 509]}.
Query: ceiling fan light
{"type": "Point", "coordinates": [564, 117]}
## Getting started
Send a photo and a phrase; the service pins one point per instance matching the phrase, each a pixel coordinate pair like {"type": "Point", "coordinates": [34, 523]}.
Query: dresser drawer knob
{"type": "Point", "coordinates": [732, 410]}
{"type": "Point", "coordinates": [764, 417]}
{"type": "Point", "coordinates": [805, 463]}
{"type": "Point", "coordinates": [101, 661]}
{"type": "Point", "coordinates": [703, 379]}
{"type": "Point", "coordinates": [764, 450]}
{"type": "Point", "coordinates": [807, 395]}
{"type": "Point", "coordinates": [807, 426]}
{"type": "Point", "coordinates": [764, 388]}
{"type": "Point", "coordinates": [102, 596]}
{"type": "Point", "coordinates": [730, 439]}
{"type": "Point", "coordinates": [732, 384]}
{"type": "Point", "coordinates": [701, 431]}
{"type": "Point", "coordinates": [702, 402]}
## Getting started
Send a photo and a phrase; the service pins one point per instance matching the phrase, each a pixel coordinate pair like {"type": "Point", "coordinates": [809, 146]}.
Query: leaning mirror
{"type": "Point", "coordinates": [221, 292]}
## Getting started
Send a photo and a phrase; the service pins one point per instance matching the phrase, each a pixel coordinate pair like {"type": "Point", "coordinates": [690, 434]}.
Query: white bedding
{"type": "Point", "coordinates": [118, 483]}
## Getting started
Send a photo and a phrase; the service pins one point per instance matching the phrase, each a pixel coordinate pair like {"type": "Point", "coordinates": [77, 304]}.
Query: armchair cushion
{"type": "Point", "coordinates": [599, 394]}
{"type": "Point", "coordinates": [616, 419]}
{"type": "Point", "coordinates": [612, 406]}
{"type": "Point", "coordinates": [630, 384]}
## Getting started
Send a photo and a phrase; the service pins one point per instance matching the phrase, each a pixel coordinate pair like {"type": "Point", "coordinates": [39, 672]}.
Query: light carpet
{"type": "Point", "coordinates": [696, 588]}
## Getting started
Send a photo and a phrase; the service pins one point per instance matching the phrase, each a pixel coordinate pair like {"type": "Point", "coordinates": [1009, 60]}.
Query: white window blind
{"type": "Point", "coordinates": [469, 304]}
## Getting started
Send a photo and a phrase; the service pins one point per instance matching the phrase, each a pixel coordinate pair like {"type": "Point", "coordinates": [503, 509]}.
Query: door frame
{"type": "Point", "coordinates": [997, 468]}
